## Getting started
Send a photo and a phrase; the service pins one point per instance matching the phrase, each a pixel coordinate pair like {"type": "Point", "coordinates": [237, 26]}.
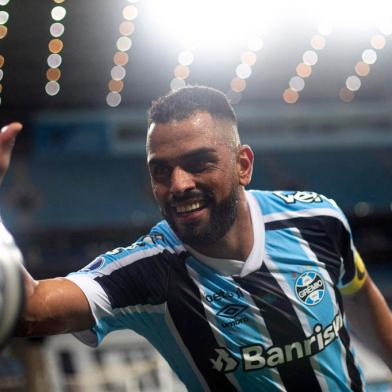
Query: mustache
{"type": "Point", "coordinates": [189, 194]}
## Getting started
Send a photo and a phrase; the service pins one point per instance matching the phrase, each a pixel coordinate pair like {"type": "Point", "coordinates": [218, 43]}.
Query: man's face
{"type": "Point", "coordinates": [194, 177]}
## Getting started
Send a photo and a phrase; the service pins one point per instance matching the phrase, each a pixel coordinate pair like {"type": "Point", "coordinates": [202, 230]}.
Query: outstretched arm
{"type": "Point", "coordinates": [53, 306]}
{"type": "Point", "coordinates": [371, 319]}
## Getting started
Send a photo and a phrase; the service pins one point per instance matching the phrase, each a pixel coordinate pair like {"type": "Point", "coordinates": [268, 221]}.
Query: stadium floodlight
{"type": "Point", "coordinates": [349, 13]}
{"type": "Point", "coordinates": [226, 22]}
{"type": "Point", "coordinates": [206, 22]}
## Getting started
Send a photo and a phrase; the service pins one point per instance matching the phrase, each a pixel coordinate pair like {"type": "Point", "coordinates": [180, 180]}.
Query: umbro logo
{"type": "Point", "coordinates": [231, 311]}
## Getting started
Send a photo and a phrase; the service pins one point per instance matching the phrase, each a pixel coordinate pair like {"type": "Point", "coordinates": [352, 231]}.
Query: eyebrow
{"type": "Point", "coordinates": [198, 154]}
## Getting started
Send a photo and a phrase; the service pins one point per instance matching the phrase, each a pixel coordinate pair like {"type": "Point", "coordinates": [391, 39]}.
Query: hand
{"type": "Point", "coordinates": [7, 140]}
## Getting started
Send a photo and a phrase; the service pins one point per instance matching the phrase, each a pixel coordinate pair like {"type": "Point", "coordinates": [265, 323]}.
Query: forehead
{"type": "Point", "coordinates": [200, 130]}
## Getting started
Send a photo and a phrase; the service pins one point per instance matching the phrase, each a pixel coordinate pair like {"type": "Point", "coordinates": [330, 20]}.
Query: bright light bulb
{"type": "Point", "coordinates": [353, 83]}
{"type": "Point", "coordinates": [52, 88]}
{"type": "Point", "coordinates": [113, 99]}
{"type": "Point", "coordinates": [208, 23]}
{"type": "Point", "coordinates": [58, 13]}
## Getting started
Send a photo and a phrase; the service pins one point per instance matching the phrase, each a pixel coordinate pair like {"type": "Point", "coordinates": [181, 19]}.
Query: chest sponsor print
{"type": "Point", "coordinates": [257, 356]}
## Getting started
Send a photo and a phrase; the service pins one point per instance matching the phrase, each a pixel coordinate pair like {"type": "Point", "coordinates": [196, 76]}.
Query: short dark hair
{"type": "Point", "coordinates": [182, 103]}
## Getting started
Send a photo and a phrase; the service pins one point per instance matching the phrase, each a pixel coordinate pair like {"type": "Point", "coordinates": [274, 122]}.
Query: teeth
{"type": "Point", "coordinates": [189, 208]}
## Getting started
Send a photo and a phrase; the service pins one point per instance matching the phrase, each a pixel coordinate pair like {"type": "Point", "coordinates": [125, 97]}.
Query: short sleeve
{"type": "Point", "coordinates": [100, 308]}
{"type": "Point", "coordinates": [123, 288]}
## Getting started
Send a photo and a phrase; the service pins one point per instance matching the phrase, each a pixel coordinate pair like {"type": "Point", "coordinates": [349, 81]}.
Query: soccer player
{"type": "Point", "coordinates": [239, 290]}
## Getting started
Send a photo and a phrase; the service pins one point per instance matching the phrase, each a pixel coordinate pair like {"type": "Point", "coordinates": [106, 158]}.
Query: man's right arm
{"type": "Point", "coordinates": [53, 306]}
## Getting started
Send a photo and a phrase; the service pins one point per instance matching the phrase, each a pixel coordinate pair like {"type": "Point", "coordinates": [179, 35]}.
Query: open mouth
{"type": "Point", "coordinates": [190, 207]}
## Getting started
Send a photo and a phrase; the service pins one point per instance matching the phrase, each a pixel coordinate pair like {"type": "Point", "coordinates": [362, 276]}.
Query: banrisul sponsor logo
{"type": "Point", "coordinates": [310, 288]}
{"type": "Point", "coordinates": [224, 362]}
{"type": "Point", "coordinates": [256, 356]}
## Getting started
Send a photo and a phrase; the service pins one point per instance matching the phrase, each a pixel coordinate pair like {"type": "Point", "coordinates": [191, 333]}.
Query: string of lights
{"type": "Point", "coordinates": [244, 70]}
{"type": "Point", "coordinates": [56, 45]}
{"type": "Point", "coordinates": [182, 69]}
{"type": "Point", "coordinates": [120, 58]}
{"type": "Point", "coordinates": [4, 16]}
{"type": "Point", "coordinates": [201, 29]}
{"type": "Point", "coordinates": [309, 60]}
{"type": "Point", "coordinates": [362, 68]}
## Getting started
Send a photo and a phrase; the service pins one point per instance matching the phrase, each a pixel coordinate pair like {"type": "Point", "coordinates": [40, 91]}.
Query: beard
{"type": "Point", "coordinates": [222, 217]}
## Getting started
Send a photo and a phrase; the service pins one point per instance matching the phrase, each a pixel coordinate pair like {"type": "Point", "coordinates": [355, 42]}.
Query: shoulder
{"type": "Point", "coordinates": [150, 251]}
{"type": "Point", "coordinates": [306, 205]}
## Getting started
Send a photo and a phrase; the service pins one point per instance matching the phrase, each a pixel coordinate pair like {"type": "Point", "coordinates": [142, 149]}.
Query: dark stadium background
{"type": "Point", "coordinates": [78, 185]}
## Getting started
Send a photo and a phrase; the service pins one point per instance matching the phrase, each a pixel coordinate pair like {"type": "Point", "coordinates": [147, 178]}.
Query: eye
{"type": "Point", "coordinates": [197, 166]}
{"type": "Point", "coordinates": [160, 172]}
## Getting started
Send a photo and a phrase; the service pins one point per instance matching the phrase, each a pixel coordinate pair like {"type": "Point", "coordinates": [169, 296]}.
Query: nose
{"type": "Point", "coordinates": [181, 181]}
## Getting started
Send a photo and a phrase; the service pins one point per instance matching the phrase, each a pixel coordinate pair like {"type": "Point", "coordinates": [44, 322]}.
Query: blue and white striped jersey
{"type": "Point", "coordinates": [274, 322]}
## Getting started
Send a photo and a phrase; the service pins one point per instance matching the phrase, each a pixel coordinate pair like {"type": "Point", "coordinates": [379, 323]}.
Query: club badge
{"type": "Point", "coordinates": [310, 288]}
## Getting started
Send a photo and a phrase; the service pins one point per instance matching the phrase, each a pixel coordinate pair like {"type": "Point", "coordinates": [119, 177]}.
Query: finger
{"type": "Point", "coordinates": [8, 135]}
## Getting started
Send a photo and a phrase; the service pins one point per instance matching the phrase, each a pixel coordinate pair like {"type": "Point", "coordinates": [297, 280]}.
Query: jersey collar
{"type": "Point", "coordinates": [254, 261]}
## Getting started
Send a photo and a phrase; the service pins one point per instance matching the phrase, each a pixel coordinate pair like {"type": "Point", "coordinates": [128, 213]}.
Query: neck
{"type": "Point", "coordinates": [237, 243]}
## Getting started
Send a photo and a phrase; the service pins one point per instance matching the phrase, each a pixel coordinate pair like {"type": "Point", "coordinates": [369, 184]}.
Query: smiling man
{"type": "Point", "coordinates": [198, 172]}
{"type": "Point", "coordinates": [239, 290]}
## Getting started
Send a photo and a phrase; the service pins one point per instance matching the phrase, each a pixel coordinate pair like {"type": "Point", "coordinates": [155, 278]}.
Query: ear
{"type": "Point", "coordinates": [245, 164]}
